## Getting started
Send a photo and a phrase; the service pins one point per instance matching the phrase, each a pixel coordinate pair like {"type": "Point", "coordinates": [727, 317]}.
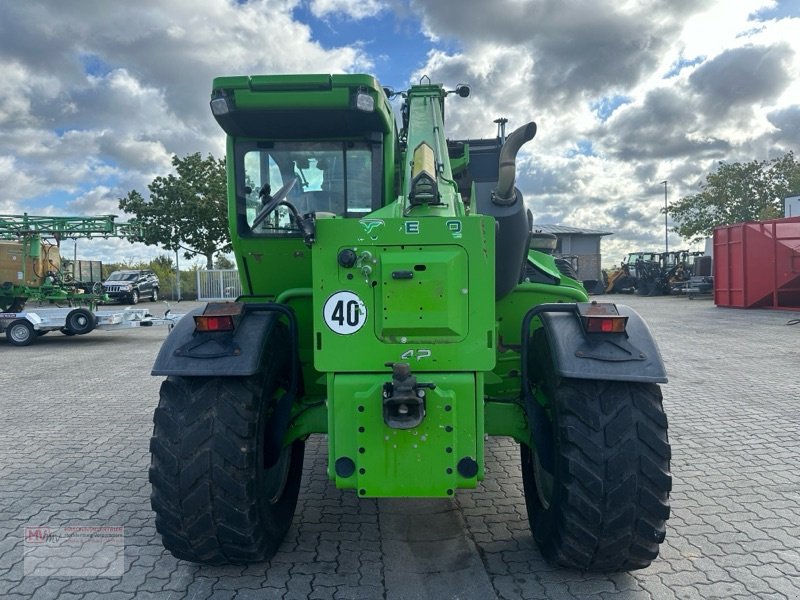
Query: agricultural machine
{"type": "Point", "coordinates": [31, 267]}
{"type": "Point", "coordinates": [661, 273]}
{"type": "Point", "coordinates": [391, 302]}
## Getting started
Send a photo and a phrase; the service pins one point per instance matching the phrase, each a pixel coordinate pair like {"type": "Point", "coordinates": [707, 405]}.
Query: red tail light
{"type": "Point", "coordinates": [601, 317]}
{"type": "Point", "coordinates": [605, 324]}
{"type": "Point", "coordinates": [219, 317]}
{"type": "Point", "coordinates": [213, 323]}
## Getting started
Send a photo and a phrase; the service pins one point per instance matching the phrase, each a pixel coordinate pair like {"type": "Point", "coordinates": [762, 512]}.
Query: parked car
{"type": "Point", "coordinates": [128, 287]}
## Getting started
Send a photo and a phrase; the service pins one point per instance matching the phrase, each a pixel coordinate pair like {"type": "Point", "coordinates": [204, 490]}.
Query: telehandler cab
{"type": "Point", "coordinates": [391, 303]}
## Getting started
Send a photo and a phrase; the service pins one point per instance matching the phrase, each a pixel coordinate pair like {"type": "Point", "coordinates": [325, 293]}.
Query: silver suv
{"type": "Point", "coordinates": [128, 287]}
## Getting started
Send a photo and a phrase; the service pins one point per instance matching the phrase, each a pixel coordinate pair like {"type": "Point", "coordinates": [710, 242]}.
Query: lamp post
{"type": "Point", "coordinates": [177, 276]}
{"type": "Point", "coordinates": [666, 230]}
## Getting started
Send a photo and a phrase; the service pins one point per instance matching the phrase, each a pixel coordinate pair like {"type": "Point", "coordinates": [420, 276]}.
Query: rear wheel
{"type": "Point", "coordinates": [604, 506]}
{"type": "Point", "coordinates": [80, 321]}
{"type": "Point", "coordinates": [215, 501]}
{"type": "Point", "coordinates": [20, 333]}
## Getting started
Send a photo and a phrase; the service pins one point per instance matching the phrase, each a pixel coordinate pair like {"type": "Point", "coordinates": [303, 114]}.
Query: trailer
{"type": "Point", "coordinates": [22, 328]}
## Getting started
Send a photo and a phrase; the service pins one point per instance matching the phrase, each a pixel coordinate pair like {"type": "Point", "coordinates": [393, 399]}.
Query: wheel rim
{"type": "Point", "coordinates": [544, 481]}
{"type": "Point", "coordinates": [20, 333]}
{"type": "Point", "coordinates": [275, 477]}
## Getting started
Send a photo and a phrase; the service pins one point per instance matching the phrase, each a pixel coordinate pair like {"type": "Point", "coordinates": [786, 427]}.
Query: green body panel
{"type": "Point", "coordinates": [442, 318]}
{"type": "Point", "coordinates": [269, 93]}
{"type": "Point", "coordinates": [307, 418]}
{"type": "Point", "coordinates": [507, 418]}
{"type": "Point", "coordinates": [510, 312]}
{"type": "Point", "coordinates": [413, 462]}
{"type": "Point", "coordinates": [420, 288]}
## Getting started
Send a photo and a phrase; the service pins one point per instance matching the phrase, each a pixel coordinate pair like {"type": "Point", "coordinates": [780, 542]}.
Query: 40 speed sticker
{"type": "Point", "coordinates": [344, 313]}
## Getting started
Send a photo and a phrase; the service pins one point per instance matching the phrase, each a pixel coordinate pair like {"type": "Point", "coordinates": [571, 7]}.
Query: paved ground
{"type": "Point", "coordinates": [75, 420]}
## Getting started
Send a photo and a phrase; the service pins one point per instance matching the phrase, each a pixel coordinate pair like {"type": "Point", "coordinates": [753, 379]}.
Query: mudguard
{"type": "Point", "coordinates": [189, 353]}
{"type": "Point", "coordinates": [630, 356]}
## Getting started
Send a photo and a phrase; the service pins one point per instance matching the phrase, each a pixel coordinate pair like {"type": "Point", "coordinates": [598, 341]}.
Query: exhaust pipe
{"type": "Point", "coordinates": [504, 194]}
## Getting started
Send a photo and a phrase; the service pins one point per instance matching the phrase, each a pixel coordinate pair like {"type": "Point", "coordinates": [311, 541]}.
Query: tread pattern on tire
{"type": "Point", "coordinates": [611, 500]}
{"type": "Point", "coordinates": [204, 471]}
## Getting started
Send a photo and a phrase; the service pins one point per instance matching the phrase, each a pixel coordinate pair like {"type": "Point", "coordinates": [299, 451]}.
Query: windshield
{"type": "Point", "coordinates": [331, 177]}
{"type": "Point", "coordinates": [121, 277]}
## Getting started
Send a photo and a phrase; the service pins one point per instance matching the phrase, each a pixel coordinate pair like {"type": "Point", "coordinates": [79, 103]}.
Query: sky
{"type": "Point", "coordinates": [98, 95]}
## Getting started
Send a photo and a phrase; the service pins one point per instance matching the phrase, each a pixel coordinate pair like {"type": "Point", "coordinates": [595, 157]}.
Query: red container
{"type": "Point", "coordinates": [757, 265]}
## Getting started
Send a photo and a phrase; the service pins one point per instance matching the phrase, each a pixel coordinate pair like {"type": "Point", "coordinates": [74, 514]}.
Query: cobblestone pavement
{"type": "Point", "coordinates": [76, 420]}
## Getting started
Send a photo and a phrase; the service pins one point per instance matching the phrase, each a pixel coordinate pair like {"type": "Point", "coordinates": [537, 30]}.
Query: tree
{"type": "Point", "coordinates": [735, 193]}
{"type": "Point", "coordinates": [163, 262]}
{"type": "Point", "coordinates": [187, 211]}
{"type": "Point", "coordinates": [223, 262]}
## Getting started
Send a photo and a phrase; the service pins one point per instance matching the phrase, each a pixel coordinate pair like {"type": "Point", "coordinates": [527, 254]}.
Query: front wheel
{"type": "Point", "coordinates": [215, 500]}
{"type": "Point", "coordinates": [135, 297]}
{"type": "Point", "coordinates": [154, 298]}
{"type": "Point", "coordinates": [20, 333]}
{"type": "Point", "coordinates": [605, 504]}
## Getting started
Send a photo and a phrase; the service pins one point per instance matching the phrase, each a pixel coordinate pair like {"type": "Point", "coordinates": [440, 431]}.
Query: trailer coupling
{"type": "Point", "coordinates": [404, 398]}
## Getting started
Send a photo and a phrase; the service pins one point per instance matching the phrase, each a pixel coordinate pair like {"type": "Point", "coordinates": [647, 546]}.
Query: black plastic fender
{"type": "Point", "coordinates": [189, 353]}
{"type": "Point", "coordinates": [561, 348]}
{"type": "Point", "coordinates": [630, 356]}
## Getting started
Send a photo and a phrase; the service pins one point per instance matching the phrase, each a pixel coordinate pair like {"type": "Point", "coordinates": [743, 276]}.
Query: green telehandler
{"type": "Point", "coordinates": [391, 302]}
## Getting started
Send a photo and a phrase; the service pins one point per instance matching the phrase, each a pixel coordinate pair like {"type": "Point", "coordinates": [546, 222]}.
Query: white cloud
{"type": "Point", "coordinates": [351, 9]}
{"type": "Point", "coordinates": [554, 61]}
{"type": "Point", "coordinates": [97, 95]}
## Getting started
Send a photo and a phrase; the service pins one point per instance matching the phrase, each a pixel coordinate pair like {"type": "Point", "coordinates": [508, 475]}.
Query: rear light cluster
{"type": "Point", "coordinates": [207, 323]}
{"type": "Point", "coordinates": [601, 318]}
{"type": "Point", "coordinates": [219, 317]}
{"type": "Point", "coordinates": [605, 324]}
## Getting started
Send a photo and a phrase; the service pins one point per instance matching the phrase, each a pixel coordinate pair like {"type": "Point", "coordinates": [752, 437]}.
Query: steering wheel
{"type": "Point", "coordinates": [272, 201]}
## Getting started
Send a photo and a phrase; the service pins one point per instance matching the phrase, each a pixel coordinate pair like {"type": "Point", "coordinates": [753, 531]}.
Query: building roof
{"type": "Point", "coordinates": [564, 230]}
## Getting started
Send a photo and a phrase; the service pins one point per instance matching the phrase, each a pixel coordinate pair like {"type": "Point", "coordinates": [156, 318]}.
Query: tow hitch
{"type": "Point", "coordinates": [404, 398]}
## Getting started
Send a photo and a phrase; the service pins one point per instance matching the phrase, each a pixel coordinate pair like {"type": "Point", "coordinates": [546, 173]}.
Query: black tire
{"type": "Point", "coordinates": [135, 297]}
{"type": "Point", "coordinates": [155, 295]}
{"type": "Point", "coordinates": [215, 502]}
{"type": "Point", "coordinates": [623, 284]}
{"type": "Point", "coordinates": [80, 321]}
{"type": "Point", "coordinates": [605, 506]}
{"type": "Point", "coordinates": [20, 333]}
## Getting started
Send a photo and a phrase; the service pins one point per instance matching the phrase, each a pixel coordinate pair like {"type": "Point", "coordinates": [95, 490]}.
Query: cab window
{"type": "Point", "coordinates": [342, 178]}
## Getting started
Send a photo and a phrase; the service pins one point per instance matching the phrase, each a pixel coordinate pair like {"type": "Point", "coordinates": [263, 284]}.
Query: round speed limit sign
{"type": "Point", "coordinates": [344, 313]}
